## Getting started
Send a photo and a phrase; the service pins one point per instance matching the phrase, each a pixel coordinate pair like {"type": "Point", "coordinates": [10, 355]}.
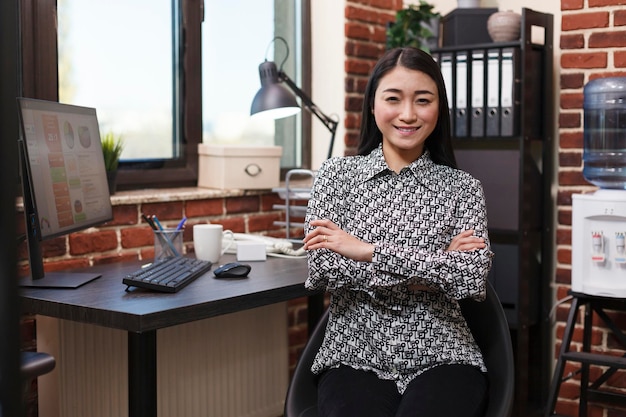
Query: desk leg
{"type": "Point", "coordinates": [142, 365]}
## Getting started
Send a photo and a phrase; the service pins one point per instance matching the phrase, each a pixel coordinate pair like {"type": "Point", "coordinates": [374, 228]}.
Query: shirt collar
{"type": "Point", "coordinates": [424, 169]}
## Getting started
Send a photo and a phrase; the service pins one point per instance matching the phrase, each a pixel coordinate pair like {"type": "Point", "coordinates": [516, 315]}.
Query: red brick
{"type": "Point", "coordinates": [250, 204]}
{"type": "Point", "coordinates": [563, 237]}
{"type": "Point", "coordinates": [619, 59]}
{"type": "Point", "coordinates": [576, 21]}
{"type": "Point", "coordinates": [619, 18]}
{"type": "Point", "coordinates": [570, 120]}
{"type": "Point", "coordinates": [572, 178]}
{"type": "Point", "coordinates": [576, 41]}
{"type": "Point", "coordinates": [65, 264]}
{"type": "Point", "coordinates": [572, 4]}
{"type": "Point", "coordinates": [564, 217]}
{"type": "Point", "coordinates": [262, 222]}
{"type": "Point", "coordinates": [164, 211]}
{"type": "Point", "coordinates": [587, 60]}
{"type": "Point", "coordinates": [613, 39]}
{"type": "Point", "coordinates": [136, 237]}
{"type": "Point", "coordinates": [572, 100]}
{"type": "Point", "coordinates": [563, 276]}
{"type": "Point", "coordinates": [235, 224]}
{"type": "Point", "coordinates": [572, 81]}
{"type": "Point", "coordinates": [358, 67]}
{"type": "Point", "coordinates": [54, 247]}
{"type": "Point", "coordinates": [571, 140]}
{"type": "Point", "coordinates": [202, 208]}
{"type": "Point", "coordinates": [90, 242]}
{"type": "Point", "coordinates": [356, 30]}
{"type": "Point", "coordinates": [570, 159]}
{"type": "Point", "coordinates": [564, 256]}
{"type": "Point", "coordinates": [124, 216]}
{"type": "Point", "coordinates": [605, 3]}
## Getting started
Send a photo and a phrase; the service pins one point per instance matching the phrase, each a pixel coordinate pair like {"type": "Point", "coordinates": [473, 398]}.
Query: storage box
{"type": "Point", "coordinates": [243, 167]}
{"type": "Point", "coordinates": [466, 26]}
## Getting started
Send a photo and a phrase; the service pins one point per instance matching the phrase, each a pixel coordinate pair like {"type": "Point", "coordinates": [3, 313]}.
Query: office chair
{"type": "Point", "coordinates": [490, 329]}
{"type": "Point", "coordinates": [33, 365]}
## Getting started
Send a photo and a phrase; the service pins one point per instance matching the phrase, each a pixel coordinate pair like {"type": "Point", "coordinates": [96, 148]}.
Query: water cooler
{"type": "Point", "coordinates": [599, 218]}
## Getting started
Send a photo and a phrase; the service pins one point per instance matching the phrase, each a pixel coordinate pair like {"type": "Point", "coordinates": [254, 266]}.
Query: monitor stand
{"type": "Point", "coordinates": [59, 280]}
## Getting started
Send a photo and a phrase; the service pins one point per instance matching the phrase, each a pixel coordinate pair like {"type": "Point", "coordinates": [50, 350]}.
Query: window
{"type": "Point", "coordinates": [129, 72]}
{"type": "Point", "coordinates": [142, 75]}
{"type": "Point", "coordinates": [230, 71]}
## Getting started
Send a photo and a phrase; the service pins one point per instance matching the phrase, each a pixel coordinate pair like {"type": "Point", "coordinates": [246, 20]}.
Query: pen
{"type": "Point", "coordinates": [181, 224]}
{"type": "Point", "coordinates": [149, 221]}
{"type": "Point", "coordinates": [157, 222]}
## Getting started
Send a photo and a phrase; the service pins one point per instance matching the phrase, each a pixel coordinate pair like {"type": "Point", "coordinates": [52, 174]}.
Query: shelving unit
{"type": "Point", "coordinates": [294, 191]}
{"type": "Point", "coordinates": [501, 99]}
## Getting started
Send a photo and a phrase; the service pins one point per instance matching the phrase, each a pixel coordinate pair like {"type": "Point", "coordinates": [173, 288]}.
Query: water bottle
{"type": "Point", "coordinates": [604, 153]}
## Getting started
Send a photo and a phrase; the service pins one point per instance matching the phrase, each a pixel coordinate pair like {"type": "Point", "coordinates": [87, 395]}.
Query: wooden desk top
{"type": "Point", "coordinates": [106, 302]}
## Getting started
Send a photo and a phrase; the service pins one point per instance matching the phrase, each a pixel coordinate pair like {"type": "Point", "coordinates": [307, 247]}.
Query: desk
{"type": "Point", "coordinates": [588, 390]}
{"type": "Point", "coordinates": [141, 313]}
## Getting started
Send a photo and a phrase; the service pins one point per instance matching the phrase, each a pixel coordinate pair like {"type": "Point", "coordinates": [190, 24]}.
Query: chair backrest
{"type": "Point", "coordinates": [490, 329]}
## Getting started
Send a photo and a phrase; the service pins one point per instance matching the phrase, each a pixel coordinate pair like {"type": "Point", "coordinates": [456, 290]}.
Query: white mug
{"type": "Point", "coordinates": [207, 241]}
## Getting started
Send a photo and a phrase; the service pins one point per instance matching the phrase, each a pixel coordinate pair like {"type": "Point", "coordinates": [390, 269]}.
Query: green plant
{"type": "Point", "coordinates": [413, 26]}
{"type": "Point", "coordinates": [112, 147]}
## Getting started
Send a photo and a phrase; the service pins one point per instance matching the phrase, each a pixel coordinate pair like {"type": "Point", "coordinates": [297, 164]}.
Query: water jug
{"type": "Point", "coordinates": [604, 153]}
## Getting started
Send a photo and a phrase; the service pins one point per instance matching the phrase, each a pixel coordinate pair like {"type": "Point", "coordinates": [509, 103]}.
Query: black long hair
{"type": "Point", "coordinates": [439, 142]}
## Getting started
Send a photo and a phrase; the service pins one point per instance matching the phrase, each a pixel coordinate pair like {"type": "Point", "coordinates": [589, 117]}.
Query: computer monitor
{"type": "Point", "coordinates": [63, 179]}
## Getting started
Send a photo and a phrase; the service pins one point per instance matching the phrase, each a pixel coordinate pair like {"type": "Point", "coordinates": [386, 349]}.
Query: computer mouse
{"type": "Point", "coordinates": [232, 270]}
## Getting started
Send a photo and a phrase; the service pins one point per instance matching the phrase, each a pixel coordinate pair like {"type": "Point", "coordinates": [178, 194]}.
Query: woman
{"type": "Point", "coordinates": [397, 235]}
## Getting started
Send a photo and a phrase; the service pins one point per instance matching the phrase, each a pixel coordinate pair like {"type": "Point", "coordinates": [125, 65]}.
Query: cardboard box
{"type": "Point", "coordinates": [242, 167]}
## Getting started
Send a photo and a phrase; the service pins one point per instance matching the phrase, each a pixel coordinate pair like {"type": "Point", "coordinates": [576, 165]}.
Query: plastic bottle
{"type": "Point", "coordinates": [604, 153]}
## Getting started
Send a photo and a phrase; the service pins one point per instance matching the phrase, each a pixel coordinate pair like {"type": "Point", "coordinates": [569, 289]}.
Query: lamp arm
{"type": "Point", "coordinates": [330, 123]}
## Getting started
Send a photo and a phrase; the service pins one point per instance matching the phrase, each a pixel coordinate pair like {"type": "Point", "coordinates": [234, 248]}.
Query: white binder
{"type": "Point", "coordinates": [460, 117]}
{"type": "Point", "coordinates": [477, 119]}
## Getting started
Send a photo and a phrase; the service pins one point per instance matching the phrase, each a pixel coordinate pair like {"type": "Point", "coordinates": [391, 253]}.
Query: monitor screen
{"type": "Point", "coordinates": [63, 174]}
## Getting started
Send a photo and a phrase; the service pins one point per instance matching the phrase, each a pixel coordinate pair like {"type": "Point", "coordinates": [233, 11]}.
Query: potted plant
{"type": "Point", "coordinates": [112, 147]}
{"type": "Point", "coordinates": [417, 25]}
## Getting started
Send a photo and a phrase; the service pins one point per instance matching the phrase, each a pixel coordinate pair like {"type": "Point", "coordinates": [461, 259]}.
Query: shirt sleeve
{"type": "Point", "coordinates": [328, 269]}
{"type": "Point", "coordinates": [459, 274]}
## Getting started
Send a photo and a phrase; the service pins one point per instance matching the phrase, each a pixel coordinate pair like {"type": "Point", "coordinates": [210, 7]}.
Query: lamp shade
{"type": "Point", "coordinates": [273, 100]}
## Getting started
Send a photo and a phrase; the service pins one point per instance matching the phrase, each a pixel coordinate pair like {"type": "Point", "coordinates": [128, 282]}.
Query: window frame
{"type": "Point", "coordinates": [40, 80]}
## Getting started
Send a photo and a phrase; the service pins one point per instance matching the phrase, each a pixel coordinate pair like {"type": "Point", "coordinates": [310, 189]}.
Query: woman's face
{"type": "Point", "coordinates": [406, 109]}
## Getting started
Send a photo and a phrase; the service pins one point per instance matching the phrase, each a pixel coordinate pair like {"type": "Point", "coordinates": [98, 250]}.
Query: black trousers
{"type": "Point", "coordinates": [444, 391]}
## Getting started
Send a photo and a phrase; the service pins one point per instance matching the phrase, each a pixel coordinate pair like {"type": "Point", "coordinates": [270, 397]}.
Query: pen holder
{"type": "Point", "coordinates": [167, 243]}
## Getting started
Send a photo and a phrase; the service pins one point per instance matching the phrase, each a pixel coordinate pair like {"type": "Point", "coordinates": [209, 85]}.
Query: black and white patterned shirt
{"type": "Point", "coordinates": [377, 322]}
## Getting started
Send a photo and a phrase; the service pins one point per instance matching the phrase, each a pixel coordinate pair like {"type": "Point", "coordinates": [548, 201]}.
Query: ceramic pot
{"type": "Point", "coordinates": [504, 26]}
{"type": "Point", "coordinates": [466, 4]}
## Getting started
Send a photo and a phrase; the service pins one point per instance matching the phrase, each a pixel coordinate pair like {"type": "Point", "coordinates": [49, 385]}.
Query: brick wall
{"type": "Point", "coordinates": [365, 30]}
{"type": "Point", "coordinates": [593, 45]}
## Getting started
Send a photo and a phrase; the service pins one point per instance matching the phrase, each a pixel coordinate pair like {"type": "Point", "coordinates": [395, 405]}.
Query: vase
{"type": "Point", "coordinates": [112, 181]}
{"type": "Point", "coordinates": [504, 26]}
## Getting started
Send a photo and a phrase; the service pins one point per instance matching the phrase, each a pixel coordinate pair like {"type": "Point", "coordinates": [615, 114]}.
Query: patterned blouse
{"type": "Point", "coordinates": [377, 322]}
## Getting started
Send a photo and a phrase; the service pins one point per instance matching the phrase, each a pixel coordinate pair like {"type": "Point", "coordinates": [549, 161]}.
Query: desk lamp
{"type": "Point", "coordinates": [276, 102]}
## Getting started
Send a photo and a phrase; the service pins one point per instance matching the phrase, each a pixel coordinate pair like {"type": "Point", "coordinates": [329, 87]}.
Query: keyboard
{"type": "Point", "coordinates": [168, 275]}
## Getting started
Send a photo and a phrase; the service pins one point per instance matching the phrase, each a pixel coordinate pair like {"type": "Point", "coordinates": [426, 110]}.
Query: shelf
{"type": "Point", "coordinates": [289, 194]}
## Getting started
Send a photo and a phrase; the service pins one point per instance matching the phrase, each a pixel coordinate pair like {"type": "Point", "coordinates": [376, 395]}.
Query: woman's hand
{"type": "Point", "coordinates": [327, 235]}
{"type": "Point", "coordinates": [466, 241]}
